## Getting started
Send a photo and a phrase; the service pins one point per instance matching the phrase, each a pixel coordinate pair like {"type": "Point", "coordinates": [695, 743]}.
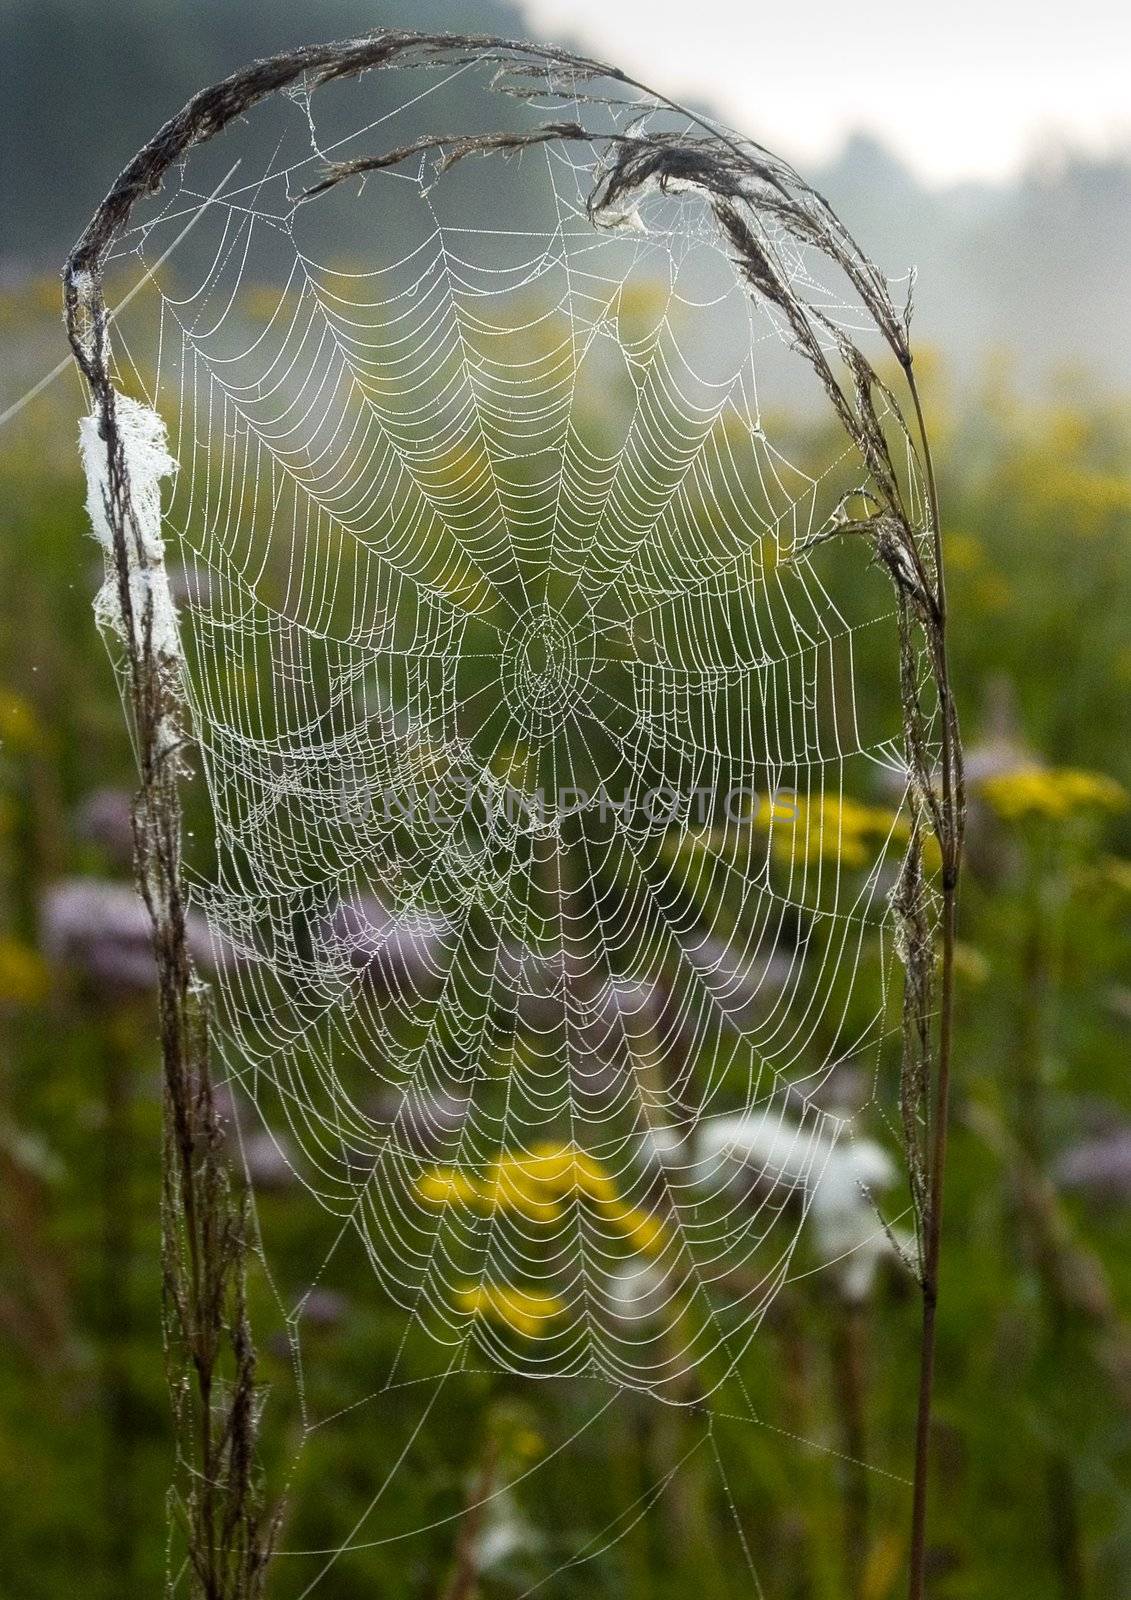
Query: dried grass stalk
{"type": "Point", "coordinates": [755, 199]}
{"type": "Point", "coordinates": [216, 1495]}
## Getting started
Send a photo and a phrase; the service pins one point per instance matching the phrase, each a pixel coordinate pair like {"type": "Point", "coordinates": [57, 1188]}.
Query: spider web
{"type": "Point", "coordinates": [536, 799]}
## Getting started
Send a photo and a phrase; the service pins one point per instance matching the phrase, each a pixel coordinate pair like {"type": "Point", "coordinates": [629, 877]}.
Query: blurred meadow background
{"type": "Point", "coordinates": [1023, 327]}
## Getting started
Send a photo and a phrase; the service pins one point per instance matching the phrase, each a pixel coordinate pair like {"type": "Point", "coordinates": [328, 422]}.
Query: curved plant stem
{"type": "Point", "coordinates": [951, 845]}
{"type": "Point", "coordinates": [758, 203]}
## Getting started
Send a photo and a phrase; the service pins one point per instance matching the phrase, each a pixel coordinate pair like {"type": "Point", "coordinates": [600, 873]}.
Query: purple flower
{"type": "Point", "coordinates": [395, 951]}
{"type": "Point", "coordinates": [620, 1015]}
{"type": "Point", "coordinates": [323, 1309]}
{"type": "Point", "coordinates": [1100, 1167]}
{"type": "Point", "coordinates": [744, 988]}
{"type": "Point", "coordinates": [267, 1162]}
{"type": "Point", "coordinates": [101, 931]}
{"type": "Point", "coordinates": [105, 818]}
{"type": "Point", "coordinates": [425, 1121]}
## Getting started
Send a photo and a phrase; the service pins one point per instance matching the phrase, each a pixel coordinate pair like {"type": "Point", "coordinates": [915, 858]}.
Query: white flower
{"type": "Point", "coordinates": [835, 1178]}
{"type": "Point", "coordinates": [506, 1533]}
{"type": "Point", "coordinates": [637, 1290]}
{"type": "Point", "coordinates": [663, 1146]}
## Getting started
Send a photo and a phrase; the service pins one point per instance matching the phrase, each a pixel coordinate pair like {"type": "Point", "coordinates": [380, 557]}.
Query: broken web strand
{"type": "Point", "coordinates": [520, 1255]}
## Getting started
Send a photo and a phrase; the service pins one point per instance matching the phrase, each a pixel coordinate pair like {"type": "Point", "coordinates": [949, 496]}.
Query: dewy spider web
{"type": "Point", "coordinates": [536, 784]}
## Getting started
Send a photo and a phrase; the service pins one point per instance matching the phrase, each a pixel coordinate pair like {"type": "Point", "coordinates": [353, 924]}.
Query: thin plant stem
{"type": "Point", "coordinates": [930, 1280]}
{"type": "Point", "coordinates": [210, 1357]}
{"type": "Point", "coordinates": [464, 1581]}
{"type": "Point", "coordinates": [950, 844]}
{"type": "Point", "coordinates": [850, 1364]}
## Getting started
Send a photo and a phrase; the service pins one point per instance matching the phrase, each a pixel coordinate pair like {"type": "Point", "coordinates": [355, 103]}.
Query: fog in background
{"type": "Point", "coordinates": [884, 110]}
{"type": "Point", "coordinates": [963, 89]}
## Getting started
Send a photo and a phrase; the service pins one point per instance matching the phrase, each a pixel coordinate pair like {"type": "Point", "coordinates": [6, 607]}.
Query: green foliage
{"type": "Point", "coordinates": [1035, 1359]}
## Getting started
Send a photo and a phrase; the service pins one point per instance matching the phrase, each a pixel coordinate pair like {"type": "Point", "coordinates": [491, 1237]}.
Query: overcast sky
{"type": "Point", "coordinates": [959, 88]}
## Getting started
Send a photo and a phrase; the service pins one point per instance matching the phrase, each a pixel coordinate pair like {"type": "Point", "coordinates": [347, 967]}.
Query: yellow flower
{"type": "Point", "coordinates": [533, 1183]}
{"type": "Point", "coordinates": [511, 1186]}
{"type": "Point", "coordinates": [640, 310]}
{"type": "Point", "coordinates": [447, 1186]}
{"type": "Point", "coordinates": [525, 1311]}
{"type": "Point", "coordinates": [536, 1184]}
{"type": "Point", "coordinates": [552, 1171]}
{"type": "Point", "coordinates": [23, 974]}
{"type": "Point", "coordinates": [829, 828]}
{"type": "Point", "coordinates": [641, 1229]}
{"type": "Point", "coordinates": [1051, 792]}
{"type": "Point", "coordinates": [527, 1445]}
{"type": "Point", "coordinates": [573, 1171]}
